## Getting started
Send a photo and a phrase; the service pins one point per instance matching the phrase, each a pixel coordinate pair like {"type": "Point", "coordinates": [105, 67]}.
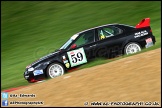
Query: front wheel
{"type": "Point", "coordinates": [132, 48]}
{"type": "Point", "coordinates": [54, 70]}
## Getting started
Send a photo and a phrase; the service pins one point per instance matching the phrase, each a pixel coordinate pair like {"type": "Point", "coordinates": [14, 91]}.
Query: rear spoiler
{"type": "Point", "coordinates": [144, 23]}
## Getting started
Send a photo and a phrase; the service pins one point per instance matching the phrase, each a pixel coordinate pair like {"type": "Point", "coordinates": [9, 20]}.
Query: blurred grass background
{"type": "Point", "coordinates": [32, 29]}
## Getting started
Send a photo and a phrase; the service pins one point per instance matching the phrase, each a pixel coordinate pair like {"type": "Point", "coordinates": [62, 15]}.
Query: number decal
{"type": "Point", "coordinates": [77, 57]}
{"type": "Point", "coordinates": [80, 56]}
{"type": "Point", "coordinates": [74, 59]}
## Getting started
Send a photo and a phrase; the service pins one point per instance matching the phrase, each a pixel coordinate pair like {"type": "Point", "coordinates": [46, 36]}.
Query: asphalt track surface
{"type": "Point", "coordinates": [132, 79]}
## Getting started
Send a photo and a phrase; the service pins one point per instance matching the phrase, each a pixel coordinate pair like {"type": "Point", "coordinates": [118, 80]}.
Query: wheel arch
{"type": "Point", "coordinates": [55, 61]}
{"type": "Point", "coordinates": [128, 42]}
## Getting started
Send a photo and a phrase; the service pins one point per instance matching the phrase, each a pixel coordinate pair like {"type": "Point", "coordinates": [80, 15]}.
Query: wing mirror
{"type": "Point", "coordinates": [73, 46]}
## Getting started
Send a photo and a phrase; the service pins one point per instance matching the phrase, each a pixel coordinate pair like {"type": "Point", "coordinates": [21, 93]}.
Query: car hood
{"type": "Point", "coordinates": [45, 57]}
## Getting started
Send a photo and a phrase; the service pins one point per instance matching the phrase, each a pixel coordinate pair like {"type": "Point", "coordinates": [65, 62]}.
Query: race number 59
{"type": "Point", "coordinates": [77, 57]}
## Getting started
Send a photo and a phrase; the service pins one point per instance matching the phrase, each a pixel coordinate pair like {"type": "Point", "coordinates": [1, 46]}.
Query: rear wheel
{"type": "Point", "coordinates": [54, 70]}
{"type": "Point", "coordinates": [132, 48]}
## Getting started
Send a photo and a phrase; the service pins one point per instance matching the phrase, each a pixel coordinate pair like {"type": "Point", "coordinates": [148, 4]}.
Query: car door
{"type": "Point", "coordinates": [81, 50]}
{"type": "Point", "coordinates": [109, 41]}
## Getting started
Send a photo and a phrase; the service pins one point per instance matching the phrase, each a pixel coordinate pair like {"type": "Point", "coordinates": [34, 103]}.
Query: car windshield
{"type": "Point", "coordinates": [69, 41]}
{"type": "Point", "coordinates": [67, 44]}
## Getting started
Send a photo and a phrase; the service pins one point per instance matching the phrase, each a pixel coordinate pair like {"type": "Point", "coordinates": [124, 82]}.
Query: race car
{"type": "Point", "coordinates": [110, 40]}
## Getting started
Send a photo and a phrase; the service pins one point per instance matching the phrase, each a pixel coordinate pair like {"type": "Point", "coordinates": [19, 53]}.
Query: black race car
{"type": "Point", "coordinates": [109, 41]}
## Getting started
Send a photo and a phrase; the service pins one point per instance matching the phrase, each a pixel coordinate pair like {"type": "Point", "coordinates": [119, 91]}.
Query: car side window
{"type": "Point", "coordinates": [85, 38]}
{"type": "Point", "coordinates": [108, 31]}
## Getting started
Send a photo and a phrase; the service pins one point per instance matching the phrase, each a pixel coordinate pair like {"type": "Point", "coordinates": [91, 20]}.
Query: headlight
{"type": "Point", "coordinates": [31, 69]}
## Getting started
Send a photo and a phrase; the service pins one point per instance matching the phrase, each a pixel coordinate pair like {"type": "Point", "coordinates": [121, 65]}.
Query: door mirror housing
{"type": "Point", "coordinates": [73, 46]}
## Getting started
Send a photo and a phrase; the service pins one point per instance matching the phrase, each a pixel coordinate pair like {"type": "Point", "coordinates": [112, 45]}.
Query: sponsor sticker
{"type": "Point", "coordinates": [63, 57]}
{"type": "Point", "coordinates": [102, 37]}
{"type": "Point", "coordinates": [66, 61]}
{"type": "Point", "coordinates": [141, 33]}
{"type": "Point", "coordinates": [149, 42]}
{"type": "Point", "coordinates": [67, 65]}
{"type": "Point", "coordinates": [74, 36]}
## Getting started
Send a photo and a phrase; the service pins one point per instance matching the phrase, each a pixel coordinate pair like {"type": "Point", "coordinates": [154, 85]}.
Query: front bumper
{"type": "Point", "coordinates": [34, 76]}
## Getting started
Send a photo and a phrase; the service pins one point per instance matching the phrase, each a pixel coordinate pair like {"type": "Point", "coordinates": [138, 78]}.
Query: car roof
{"type": "Point", "coordinates": [103, 26]}
{"type": "Point", "coordinates": [96, 27]}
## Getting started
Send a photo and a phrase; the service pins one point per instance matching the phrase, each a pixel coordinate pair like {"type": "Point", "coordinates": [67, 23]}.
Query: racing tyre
{"type": "Point", "coordinates": [132, 48]}
{"type": "Point", "coordinates": [54, 70]}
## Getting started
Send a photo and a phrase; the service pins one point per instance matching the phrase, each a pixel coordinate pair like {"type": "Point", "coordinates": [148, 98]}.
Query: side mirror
{"type": "Point", "coordinates": [73, 46]}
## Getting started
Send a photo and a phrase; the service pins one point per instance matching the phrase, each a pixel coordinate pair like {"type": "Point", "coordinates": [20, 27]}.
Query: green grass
{"type": "Point", "coordinates": [33, 29]}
